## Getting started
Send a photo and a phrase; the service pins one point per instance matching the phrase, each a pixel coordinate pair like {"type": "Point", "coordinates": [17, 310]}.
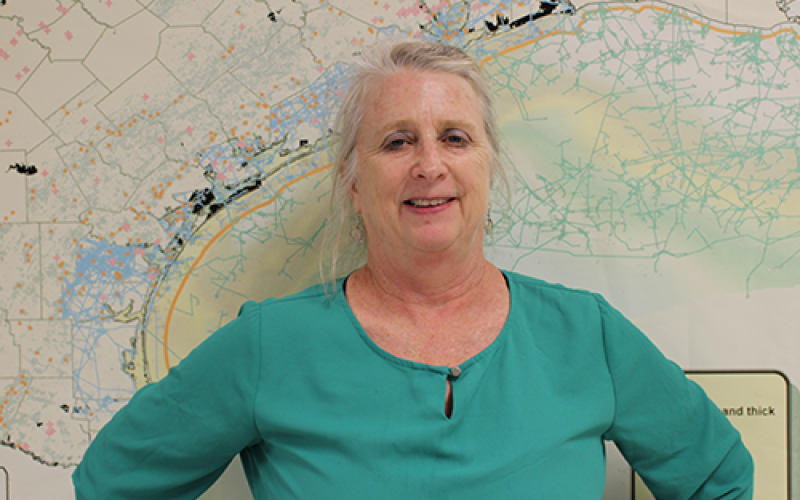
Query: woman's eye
{"type": "Point", "coordinates": [396, 142]}
{"type": "Point", "coordinates": [455, 139]}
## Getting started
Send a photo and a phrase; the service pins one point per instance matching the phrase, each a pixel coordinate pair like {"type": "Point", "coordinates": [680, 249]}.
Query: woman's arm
{"type": "Point", "coordinates": [175, 437]}
{"type": "Point", "coordinates": [670, 432]}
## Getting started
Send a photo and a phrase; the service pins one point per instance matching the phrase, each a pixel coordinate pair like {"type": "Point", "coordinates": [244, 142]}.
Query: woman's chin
{"type": "Point", "coordinates": [433, 240]}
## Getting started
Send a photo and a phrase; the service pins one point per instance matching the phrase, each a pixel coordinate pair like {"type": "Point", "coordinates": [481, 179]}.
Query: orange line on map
{"type": "Point", "coordinates": [214, 240]}
{"type": "Point", "coordinates": [707, 24]}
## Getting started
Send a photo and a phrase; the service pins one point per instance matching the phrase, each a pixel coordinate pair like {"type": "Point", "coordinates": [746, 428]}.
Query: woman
{"type": "Point", "coordinates": [428, 373]}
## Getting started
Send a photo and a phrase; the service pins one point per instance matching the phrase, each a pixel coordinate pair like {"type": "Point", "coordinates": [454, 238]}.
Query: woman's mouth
{"type": "Point", "coordinates": [425, 203]}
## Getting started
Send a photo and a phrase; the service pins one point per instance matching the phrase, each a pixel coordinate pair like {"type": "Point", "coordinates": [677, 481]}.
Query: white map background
{"type": "Point", "coordinates": [180, 157]}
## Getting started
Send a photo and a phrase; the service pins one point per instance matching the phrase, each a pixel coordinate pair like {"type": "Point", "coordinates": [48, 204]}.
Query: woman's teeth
{"type": "Point", "coordinates": [427, 203]}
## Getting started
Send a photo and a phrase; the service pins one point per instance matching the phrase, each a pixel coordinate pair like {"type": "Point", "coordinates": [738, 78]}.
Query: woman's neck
{"type": "Point", "coordinates": [436, 314]}
{"type": "Point", "coordinates": [430, 280]}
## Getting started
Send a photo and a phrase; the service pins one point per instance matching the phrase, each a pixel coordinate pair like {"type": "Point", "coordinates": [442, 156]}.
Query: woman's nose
{"type": "Point", "coordinates": [429, 163]}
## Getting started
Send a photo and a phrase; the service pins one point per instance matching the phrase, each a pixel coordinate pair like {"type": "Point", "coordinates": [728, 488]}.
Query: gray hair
{"type": "Point", "coordinates": [341, 251]}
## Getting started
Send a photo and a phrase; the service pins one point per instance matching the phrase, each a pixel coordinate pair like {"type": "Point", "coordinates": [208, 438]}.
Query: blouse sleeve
{"type": "Point", "coordinates": [175, 437]}
{"type": "Point", "coordinates": [670, 432]}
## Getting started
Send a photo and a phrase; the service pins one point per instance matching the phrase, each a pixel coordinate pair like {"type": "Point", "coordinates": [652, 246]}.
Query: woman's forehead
{"type": "Point", "coordinates": [409, 96]}
{"type": "Point", "coordinates": [411, 80]}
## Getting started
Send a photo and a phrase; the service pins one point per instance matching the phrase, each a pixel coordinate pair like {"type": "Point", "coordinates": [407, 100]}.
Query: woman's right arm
{"type": "Point", "coordinates": [175, 437]}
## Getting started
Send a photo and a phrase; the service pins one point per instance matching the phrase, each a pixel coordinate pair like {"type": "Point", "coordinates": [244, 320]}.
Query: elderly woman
{"type": "Point", "coordinates": [427, 372]}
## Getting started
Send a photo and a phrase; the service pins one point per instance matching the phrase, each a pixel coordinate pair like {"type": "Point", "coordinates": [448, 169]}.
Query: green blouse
{"type": "Point", "coordinates": [319, 411]}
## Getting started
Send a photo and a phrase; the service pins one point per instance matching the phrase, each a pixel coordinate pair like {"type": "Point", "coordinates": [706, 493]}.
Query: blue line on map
{"type": "Point", "coordinates": [105, 274]}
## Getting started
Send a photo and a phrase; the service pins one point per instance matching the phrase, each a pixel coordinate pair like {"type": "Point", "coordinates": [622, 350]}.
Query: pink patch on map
{"type": "Point", "coordinates": [189, 130]}
{"type": "Point", "coordinates": [84, 120]}
{"type": "Point", "coordinates": [151, 276]}
{"type": "Point", "coordinates": [221, 176]}
{"type": "Point", "coordinates": [242, 27]}
{"type": "Point", "coordinates": [56, 258]}
{"type": "Point", "coordinates": [103, 298]}
{"type": "Point", "coordinates": [68, 35]}
{"type": "Point", "coordinates": [96, 180]}
{"type": "Point", "coordinates": [9, 143]}
{"type": "Point", "coordinates": [138, 251]}
{"type": "Point", "coordinates": [315, 120]}
{"type": "Point", "coordinates": [112, 261]}
{"type": "Point", "coordinates": [26, 70]}
{"type": "Point", "coordinates": [191, 56]}
{"type": "Point", "coordinates": [160, 140]}
{"type": "Point", "coordinates": [45, 173]}
{"type": "Point", "coordinates": [126, 227]}
{"type": "Point", "coordinates": [4, 54]}
{"type": "Point", "coordinates": [55, 190]}
{"type": "Point", "coordinates": [14, 42]}
{"type": "Point", "coordinates": [62, 9]}
{"type": "Point", "coordinates": [145, 97]}
{"type": "Point", "coordinates": [241, 144]}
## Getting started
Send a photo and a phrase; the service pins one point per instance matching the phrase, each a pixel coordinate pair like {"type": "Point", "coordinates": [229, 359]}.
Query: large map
{"type": "Point", "coordinates": [161, 161]}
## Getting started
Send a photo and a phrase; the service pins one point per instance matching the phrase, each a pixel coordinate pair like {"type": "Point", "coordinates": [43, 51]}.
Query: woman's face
{"type": "Point", "coordinates": [423, 165]}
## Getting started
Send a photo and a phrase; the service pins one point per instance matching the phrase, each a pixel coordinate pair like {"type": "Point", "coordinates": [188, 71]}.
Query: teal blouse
{"type": "Point", "coordinates": [317, 410]}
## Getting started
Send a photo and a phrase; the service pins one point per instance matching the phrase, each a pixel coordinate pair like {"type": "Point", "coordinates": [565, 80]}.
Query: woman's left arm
{"type": "Point", "coordinates": [670, 432]}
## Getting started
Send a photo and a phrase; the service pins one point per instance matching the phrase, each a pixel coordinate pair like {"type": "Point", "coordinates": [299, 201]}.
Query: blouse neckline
{"type": "Point", "coordinates": [341, 299]}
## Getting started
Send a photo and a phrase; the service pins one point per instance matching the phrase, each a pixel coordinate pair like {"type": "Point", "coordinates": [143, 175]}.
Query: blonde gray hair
{"type": "Point", "coordinates": [341, 253]}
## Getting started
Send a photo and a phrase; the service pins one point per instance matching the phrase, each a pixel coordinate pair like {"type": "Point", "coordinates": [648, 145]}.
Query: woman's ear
{"type": "Point", "coordinates": [355, 197]}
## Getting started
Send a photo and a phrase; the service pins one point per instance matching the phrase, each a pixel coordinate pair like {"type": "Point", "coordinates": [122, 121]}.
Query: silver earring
{"type": "Point", "coordinates": [357, 230]}
{"type": "Point", "coordinates": [489, 223]}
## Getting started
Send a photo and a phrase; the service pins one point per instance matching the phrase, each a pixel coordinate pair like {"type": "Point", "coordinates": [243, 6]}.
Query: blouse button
{"type": "Point", "coordinates": [455, 371]}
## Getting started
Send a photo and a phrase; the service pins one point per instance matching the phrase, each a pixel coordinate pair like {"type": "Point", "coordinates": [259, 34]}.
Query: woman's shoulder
{"type": "Point", "coordinates": [538, 302]}
{"type": "Point", "coordinates": [314, 296]}
{"type": "Point", "coordinates": [533, 296]}
{"type": "Point", "coordinates": [299, 313]}
{"type": "Point", "coordinates": [530, 286]}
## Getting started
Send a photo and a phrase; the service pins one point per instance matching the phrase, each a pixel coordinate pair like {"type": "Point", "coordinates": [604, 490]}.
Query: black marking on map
{"type": "Point", "coordinates": [23, 169]}
{"type": "Point", "coordinates": [546, 7]}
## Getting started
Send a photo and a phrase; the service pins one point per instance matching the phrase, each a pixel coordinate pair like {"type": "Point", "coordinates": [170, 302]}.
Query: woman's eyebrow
{"type": "Point", "coordinates": [395, 126]}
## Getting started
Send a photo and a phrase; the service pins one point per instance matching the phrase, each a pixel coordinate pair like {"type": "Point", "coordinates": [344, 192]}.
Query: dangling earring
{"type": "Point", "coordinates": [357, 230]}
{"type": "Point", "coordinates": [489, 222]}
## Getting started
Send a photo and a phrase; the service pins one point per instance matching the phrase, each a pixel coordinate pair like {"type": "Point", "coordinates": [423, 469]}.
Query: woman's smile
{"type": "Point", "coordinates": [427, 203]}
